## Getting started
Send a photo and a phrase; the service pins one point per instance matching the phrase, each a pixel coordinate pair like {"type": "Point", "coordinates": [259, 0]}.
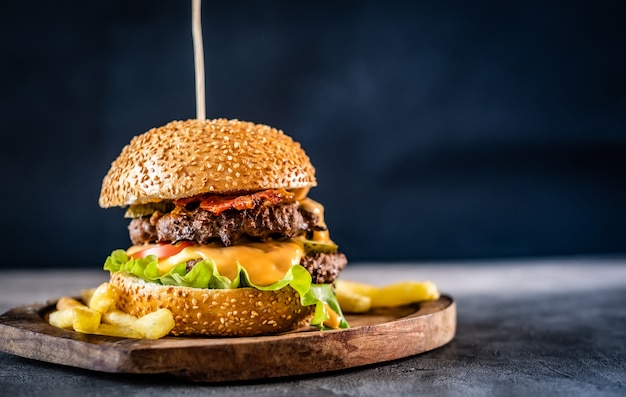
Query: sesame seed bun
{"type": "Point", "coordinates": [186, 158]}
{"type": "Point", "coordinates": [214, 312]}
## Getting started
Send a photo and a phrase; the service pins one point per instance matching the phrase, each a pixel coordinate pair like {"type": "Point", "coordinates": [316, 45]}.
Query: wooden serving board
{"type": "Point", "coordinates": [374, 337]}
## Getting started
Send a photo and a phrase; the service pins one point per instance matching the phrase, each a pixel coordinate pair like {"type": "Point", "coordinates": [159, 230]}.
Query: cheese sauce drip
{"type": "Point", "coordinates": [316, 208]}
{"type": "Point", "coordinates": [266, 263]}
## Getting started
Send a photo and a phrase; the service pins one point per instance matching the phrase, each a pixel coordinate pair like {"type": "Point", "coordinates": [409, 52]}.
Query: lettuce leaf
{"type": "Point", "coordinates": [205, 274]}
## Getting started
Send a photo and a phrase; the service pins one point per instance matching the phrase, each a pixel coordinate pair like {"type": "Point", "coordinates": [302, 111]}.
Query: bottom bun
{"type": "Point", "coordinates": [214, 312]}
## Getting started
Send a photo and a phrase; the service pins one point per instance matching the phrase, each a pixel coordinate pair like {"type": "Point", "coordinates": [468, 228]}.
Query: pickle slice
{"type": "Point", "coordinates": [313, 247]}
{"type": "Point", "coordinates": [141, 210]}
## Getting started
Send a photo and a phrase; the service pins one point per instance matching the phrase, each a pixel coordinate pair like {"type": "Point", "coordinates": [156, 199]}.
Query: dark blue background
{"type": "Point", "coordinates": [455, 130]}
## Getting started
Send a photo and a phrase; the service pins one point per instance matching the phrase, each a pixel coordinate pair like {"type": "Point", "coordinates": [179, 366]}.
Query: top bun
{"type": "Point", "coordinates": [186, 158]}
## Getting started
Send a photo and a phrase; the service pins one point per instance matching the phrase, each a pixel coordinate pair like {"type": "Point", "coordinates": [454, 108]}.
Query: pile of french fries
{"type": "Point", "coordinates": [99, 315]}
{"type": "Point", "coordinates": [356, 297]}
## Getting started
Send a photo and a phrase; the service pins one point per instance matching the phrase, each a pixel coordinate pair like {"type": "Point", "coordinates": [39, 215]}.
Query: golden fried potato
{"type": "Point", "coordinates": [100, 316]}
{"type": "Point", "coordinates": [356, 287]}
{"type": "Point", "coordinates": [351, 301]}
{"type": "Point", "coordinates": [119, 318]}
{"type": "Point", "coordinates": [356, 297]}
{"type": "Point", "coordinates": [86, 320]}
{"type": "Point", "coordinates": [117, 330]}
{"type": "Point", "coordinates": [86, 294]}
{"type": "Point", "coordinates": [103, 298]}
{"type": "Point", "coordinates": [62, 318]}
{"type": "Point", "coordinates": [66, 302]}
{"type": "Point", "coordinates": [155, 325]}
{"type": "Point", "coordinates": [405, 293]}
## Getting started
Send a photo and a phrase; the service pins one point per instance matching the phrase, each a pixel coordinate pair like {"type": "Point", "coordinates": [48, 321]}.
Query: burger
{"type": "Point", "coordinates": [223, 232]}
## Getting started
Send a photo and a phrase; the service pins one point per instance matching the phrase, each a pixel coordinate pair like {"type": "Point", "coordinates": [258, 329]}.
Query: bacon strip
{"type": "Point", "coordinates": [216, 204]}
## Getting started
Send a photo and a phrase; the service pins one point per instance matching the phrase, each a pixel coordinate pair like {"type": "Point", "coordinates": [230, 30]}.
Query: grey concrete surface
{"type": "Point", "coordinates": [539, 327]}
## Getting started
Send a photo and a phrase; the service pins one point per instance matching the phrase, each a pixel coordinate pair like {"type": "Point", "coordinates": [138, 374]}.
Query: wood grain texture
{"type": "Point", "coordinates": [375, 337]}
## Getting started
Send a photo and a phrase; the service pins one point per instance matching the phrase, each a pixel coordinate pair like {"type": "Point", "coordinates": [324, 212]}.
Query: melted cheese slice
{"type": "Point", "coordinates": [266, 263]}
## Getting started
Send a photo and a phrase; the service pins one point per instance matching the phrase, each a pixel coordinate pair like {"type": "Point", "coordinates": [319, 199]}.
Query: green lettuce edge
{"type": "Point", "coordinates": [205, 274]}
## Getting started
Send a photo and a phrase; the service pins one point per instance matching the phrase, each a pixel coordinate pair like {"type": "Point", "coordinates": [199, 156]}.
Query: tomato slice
{"type": "Point", "coordinates": [164, 250]}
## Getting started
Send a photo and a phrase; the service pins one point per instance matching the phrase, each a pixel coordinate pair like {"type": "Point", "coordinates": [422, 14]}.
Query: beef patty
{"type": "Point", "coordinates": [261, 223]}
{"type": "Point", "coordinates": [324, 268]}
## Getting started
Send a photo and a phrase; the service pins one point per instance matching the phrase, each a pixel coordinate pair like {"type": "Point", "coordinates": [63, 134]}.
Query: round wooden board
{"type": "Point", "coordinates": [374, 337]}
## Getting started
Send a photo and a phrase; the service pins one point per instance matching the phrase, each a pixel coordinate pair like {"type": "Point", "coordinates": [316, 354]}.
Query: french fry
{"type": "Point", "coordinates": [351, 301]}
{"type": "Point", "coordinates": [117, 330]}
{"type": "Point", "coordinates": [86, 294]}
{"type": "Point", "coordinates": [356, 287]}
{"type": "Point", "coordinates": [155, 325]}
{"type": "Point", "coordinates": [103, 298]}
{"type": "Point", "coordinates": [100, 316]}
{"type": "Point", "coordinates": [405, 293]}
{"type": "Point", "coordinates": [62, 318]}
{"type": "Point", "coordinates": [355, 297]}
{"type": "Point", "coordinates": [86, 320]}
{"type": "Point", "coordinates": [119, 318]}
{"type": "Point", "coordinates": [65, 302]}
